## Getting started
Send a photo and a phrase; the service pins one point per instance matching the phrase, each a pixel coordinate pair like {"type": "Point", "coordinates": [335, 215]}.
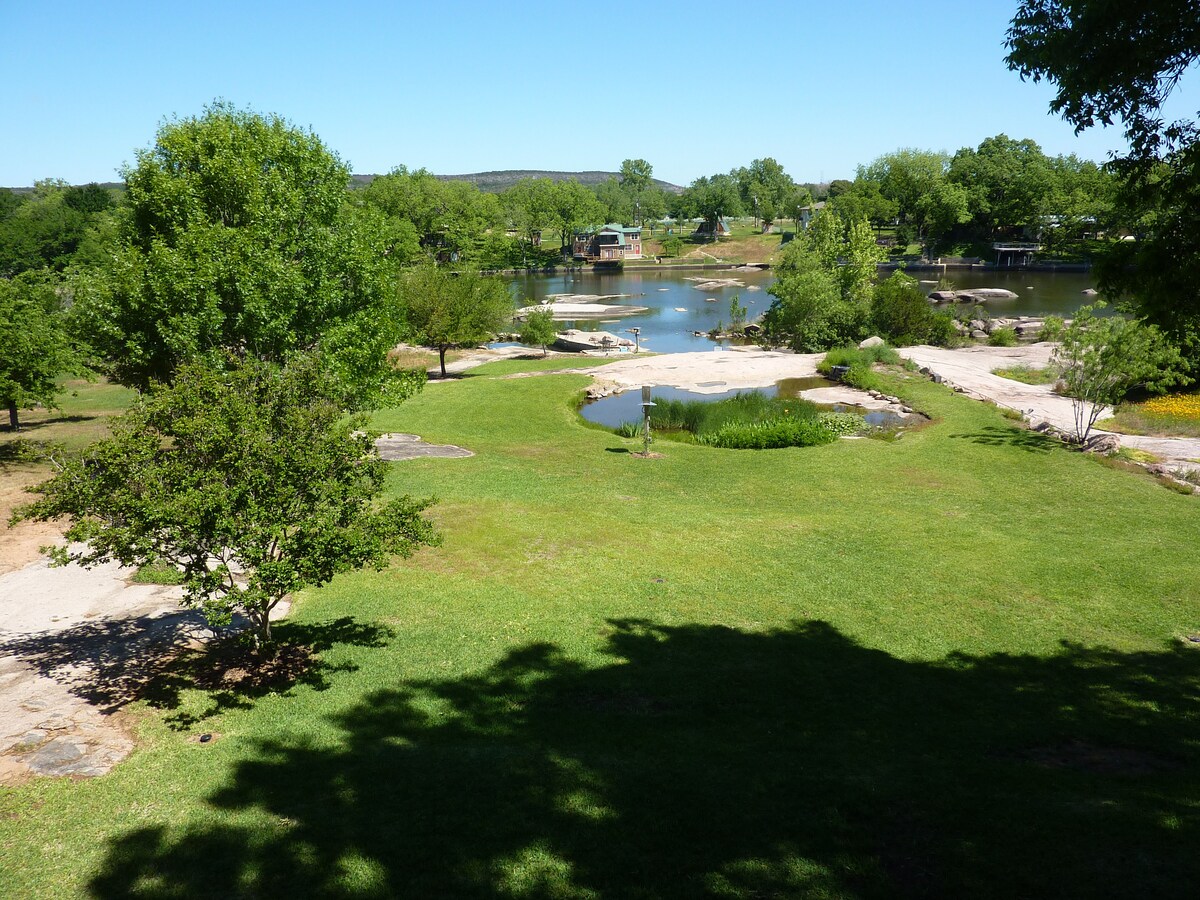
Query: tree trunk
{"type": "Point", "coordinates": [13, 421]}
{"type": "Point", "coordinates": [442, 359]}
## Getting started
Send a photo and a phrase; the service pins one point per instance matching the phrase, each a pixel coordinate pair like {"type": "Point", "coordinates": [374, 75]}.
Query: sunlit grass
{"type": "Point", "coordinates": [846, 670]}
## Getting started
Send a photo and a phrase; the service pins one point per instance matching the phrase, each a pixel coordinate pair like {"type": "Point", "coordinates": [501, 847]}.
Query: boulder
{"type": "Point", "coordinates": [1089, 292]}
{"type": "Point", "coordinates": [979, 335]}
{"type": "Point", "coordinates": [943, 296]}
{"type": "Point", "coordinates": [977, 325]}
{"type": "Point", "coordinates": [992, 294]}
{"type": "Point", "coordinates": [873, 341]}
{"type": "Point", "coordinates": [1102, 443]}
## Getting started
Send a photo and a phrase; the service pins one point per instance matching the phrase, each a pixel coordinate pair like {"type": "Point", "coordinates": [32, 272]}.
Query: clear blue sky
{"type": "Point", "coordinates": [695, 88]}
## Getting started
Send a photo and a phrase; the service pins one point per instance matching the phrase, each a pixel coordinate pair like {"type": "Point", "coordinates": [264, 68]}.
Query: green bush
{"type": "Point", "coordinates": [1003, 337]}
{"type": "Point", "coordinates": [901, 313]}
{"type": "Point", "coordinates": [809, 314]}
{"type": "Point", "coordinates": [746, 421]}
{"type": "Point", "coordinates": [770, 435]}
{"type": "Point", "coordinates": [859, 360]}
{"type": "Point", "coordinates": [1052, 329]}
{"type": "Point", "coordinates": [672, 246]}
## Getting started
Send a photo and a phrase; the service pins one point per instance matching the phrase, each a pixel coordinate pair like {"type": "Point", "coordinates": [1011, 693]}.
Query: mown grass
{"type": "Point", "coordinates": [946, 666]}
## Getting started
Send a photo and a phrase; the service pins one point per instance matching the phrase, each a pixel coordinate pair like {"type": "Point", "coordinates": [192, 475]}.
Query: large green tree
{"type": "Point", "coordinates": [249, 478]}
{"type": "Point", "coordinates": [1009, 183]}
{"type": "Point", "coordinates": [711, 199]}
{"type": "Point", "coordinates": [35, 349]}
{"type": "Point", "coordinates": [764, 189]}
{"type": "Point", "coordinates": [445, 216]}
{"type": "Point", "coordinates": [45, 229]}
{"type": "Point", "coordinates": [616, 201]}
{"type": "Point", "coordinates": [928, 205]}
{"type": "Point", "coordinates": [529, 205]}
{"type": "Point", "coordinates": [824, 285]}
{"type": "Point", "coordinates": [636, 179]}
{"type": "Point", "coordinates": [1117, 63]}
{"type": "Point", "coordinates": [573, 208]}
{"type": "Point", "coordinates": [445, 309]}
{"type": "Point", "coordinates": [238, 238]}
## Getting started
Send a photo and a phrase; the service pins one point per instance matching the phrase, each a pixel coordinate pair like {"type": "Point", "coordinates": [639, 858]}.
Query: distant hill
{"type": "Point", "coordinates": [494, 182]}
{"type": "Point", "coordinates": [490, 182]}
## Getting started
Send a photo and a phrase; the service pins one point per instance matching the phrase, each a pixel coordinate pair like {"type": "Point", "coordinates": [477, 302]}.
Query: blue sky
{"type": "Point", "coordinates": [695, 88]}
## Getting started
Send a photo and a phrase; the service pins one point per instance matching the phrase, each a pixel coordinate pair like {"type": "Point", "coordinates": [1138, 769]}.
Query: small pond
{"type": "Point", "coordinates": [616, 409]}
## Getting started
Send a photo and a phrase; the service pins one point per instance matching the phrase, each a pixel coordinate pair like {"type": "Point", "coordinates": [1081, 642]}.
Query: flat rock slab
{"type": "Point", "coordinates": [709, 371]}
{"type": "Point", "coordinates": [397, 447]}
{"type": "Point", "coordinates": [75, 645]}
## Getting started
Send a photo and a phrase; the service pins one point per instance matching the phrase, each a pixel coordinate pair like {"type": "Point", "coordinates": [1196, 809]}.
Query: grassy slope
{"type": "Point", "coordinates": [948, 665]}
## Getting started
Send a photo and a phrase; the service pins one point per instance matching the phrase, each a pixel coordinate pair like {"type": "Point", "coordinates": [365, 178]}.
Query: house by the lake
{"type": "Point", "coordinates": [610, 243]}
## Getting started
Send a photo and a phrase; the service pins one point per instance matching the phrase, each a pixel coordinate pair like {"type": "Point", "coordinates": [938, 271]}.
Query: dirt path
{"type": "Point", "coordinates": [20, 544]}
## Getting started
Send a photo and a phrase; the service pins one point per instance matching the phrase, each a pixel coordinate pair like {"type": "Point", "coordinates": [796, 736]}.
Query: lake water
{"type": "Point", "coordinates": [677, 310]}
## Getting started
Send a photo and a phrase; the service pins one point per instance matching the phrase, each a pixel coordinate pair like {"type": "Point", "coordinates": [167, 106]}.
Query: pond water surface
{"type": "Point", "coordinates": [616, 409]}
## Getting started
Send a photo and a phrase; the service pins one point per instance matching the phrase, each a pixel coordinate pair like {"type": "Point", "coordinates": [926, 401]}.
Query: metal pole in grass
{"type": "Point", "coordinates": [647, 405]}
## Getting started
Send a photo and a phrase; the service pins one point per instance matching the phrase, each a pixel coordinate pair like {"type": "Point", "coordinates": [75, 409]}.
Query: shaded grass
{"type": "Point", "coordinates": [929, 667]}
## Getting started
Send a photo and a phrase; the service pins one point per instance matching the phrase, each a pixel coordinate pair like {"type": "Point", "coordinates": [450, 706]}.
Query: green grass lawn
{"type": "Point", "coordinates": [949, 665]}
{"type": "Point", "coordinates": [85, 408]}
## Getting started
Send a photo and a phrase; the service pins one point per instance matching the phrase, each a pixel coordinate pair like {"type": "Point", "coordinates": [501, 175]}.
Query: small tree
{"type": "Point", "coordinates": [447, 310]}
{"type": "Point", "coordinates": [737, 313]}
{"type": "Point", "coordinates": [538, 329]}
{"type": "Point", "coordinates": [1102, 358]}
{"type": "Point", "coordinates": [250, 479]}
{"type": "Point", "coordinates": [34, 348]}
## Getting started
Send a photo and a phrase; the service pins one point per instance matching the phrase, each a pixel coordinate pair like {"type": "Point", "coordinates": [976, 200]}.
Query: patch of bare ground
{"type": "Point", "coordinates": [20, 544]}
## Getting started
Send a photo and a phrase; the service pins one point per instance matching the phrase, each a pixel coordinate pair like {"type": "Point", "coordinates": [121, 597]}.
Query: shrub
{"type": "Point", "coordinates": [747, 421]}
{"type": "Point", "coordinates": [769, 435]}
{"type": "Point", "coordinates": [859, 360]}
{"type": "Point", "coordinates": [901, 313]}
{"type": "Point", "coordinates": [672, 246]}
{"type": "Point", "coordinates": [1002, 337]}
{"type": "Point", "coordinates": [809, 313]}
{"type": "Point", "coordinates": [1052, 329]}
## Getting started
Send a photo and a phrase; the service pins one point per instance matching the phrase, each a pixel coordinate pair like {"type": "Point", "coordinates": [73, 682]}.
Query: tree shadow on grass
{"type": "Point", "coordinates": [114, 662]}
{"type": "Point", "coordinates": [706, 761]}
{"type": "Point", "coordinates": [1020, 438]}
